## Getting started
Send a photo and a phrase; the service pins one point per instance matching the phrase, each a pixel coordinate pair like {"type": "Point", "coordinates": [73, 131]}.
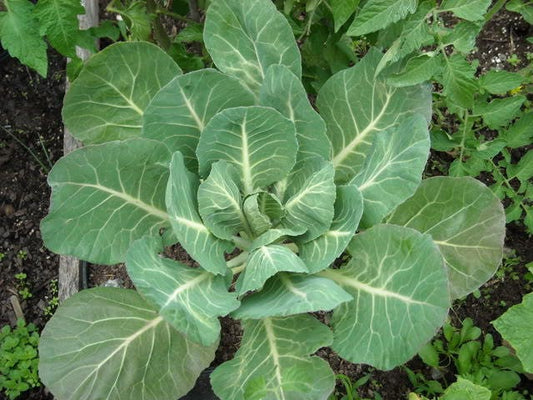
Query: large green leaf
{"type": "Point", "coordinates": [284, 91]}
{"type": "Point", "coordinates": [320, 253]}
{"type": "Point", "coordinates": [179, 112]}
{"type": "Point", "coordinates": [19, 33]}
{"type": "Point", "coordinates": [186, 223]}
{"type": "Point", "coordinates": [312, 204]}
{"type": "Point", "coordinates": [219, 201]}
{"type": "Point", "coordinates": [516, 327]}
{"type": "Point", "coordinates": [190, 299]}
{"type": "Point", "coordinates": [499, 112]}
{"type": "Point", "coordinates": [259, 141]}
{"type": "Point", "coordinates": [265, 262]}
{"type": "Point", "coordinates": [273, 362]}
{"type": "Point", "coordinates": [342, 10]}
{"type": "Point", "coordinates": [245, 38]}
{"type": "Point", "coordinates": [400, 288]}
{"type": "Point", "coordinates": [393, 169]}
{"type": "Point", "coordinates": [466, 221]}
{"type": "Point", "coordinates": [471, 10]}
{"type": "Point", "coordinates": [458, 81]}
{"type": "Point", "coordinates": [107, 100]}
{"type": "Point", "coordinates": [108, 343]}
{"type": "Point", "coordinates": [464, 389]}
{"type": "Point", "coordinates": [357, 107]}
{"type": "Point", "coordinates": [500, 82]}
{"type": "Point", "coordinates": [289, 294]}
{"type": "Point", "coordinates": [378, 14]}
{"type": "Point", "coordinates": [106, 196]}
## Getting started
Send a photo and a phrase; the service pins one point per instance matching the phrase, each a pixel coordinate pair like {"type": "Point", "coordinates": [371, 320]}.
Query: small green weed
{"type": "Point", "coordinates": [52, 300]}
{"type": "Point", "coordinates": [18, 359]}
{"type": "Point", "coordinates": [351, 388]}
{"type": "Point", "coordinates": [23, 287]}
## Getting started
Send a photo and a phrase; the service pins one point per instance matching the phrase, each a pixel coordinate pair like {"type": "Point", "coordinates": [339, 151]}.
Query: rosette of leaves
{"type": "Point", "coordinates": [265, 194]}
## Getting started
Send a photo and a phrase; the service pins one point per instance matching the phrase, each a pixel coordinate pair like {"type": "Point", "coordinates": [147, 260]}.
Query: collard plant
{"type": "Point", "coordinates": [265, 194]}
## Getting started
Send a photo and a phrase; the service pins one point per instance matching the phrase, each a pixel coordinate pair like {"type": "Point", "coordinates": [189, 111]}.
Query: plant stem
{"type": "Point", "coordinates": [193, 8]}
{"type": "Point", "coordinates": [239, 269]}
{"type": "Point", "coordinates": [45, 151]}
{"type": "Point", "coordinates": [238, 260]}
{"type": "Point", "coordinates": [44, 167]}
{"type": "Point", "coordinates": [174, 15]}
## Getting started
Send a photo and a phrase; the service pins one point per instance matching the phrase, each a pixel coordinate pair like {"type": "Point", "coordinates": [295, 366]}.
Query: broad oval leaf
{"type": "Point", "coordinates": [321, 252]}
{"type": "Point", "coordinates": [393, 168]}
{"type": "Point", "coordinates": [189, 299]}
{"type": "Point", "coordinates": [245, 38]}
{"type": "Point", "coordinates": [259, 141]}
{"type": "Point", "coordinates": [186, 223]}
{"type": "Point", "coordinates": [107, 100]}
{"type": "Point", "coordinates": [466, 221]}
{"type": "Point", "coordinates": [178, 113]}
{"type": "Point", "coordinates": [285, 92]}
{"type": "Point", "coordinates": [400, 288]}
{"type": "Point", "coordinates": [122, 185]}
{"type": "Point", "coordinates": [265, 262]}
{"type": "Point", "coordinates": [357, 107]}
{"type": "Point", "coordinates": [274, 362]}
{"type": "Point", "coordinates": [108, 343]}
{"type": "Point", "coordinates": [219, 201]}
{"type": "Point", "coordinates": [289, 294]}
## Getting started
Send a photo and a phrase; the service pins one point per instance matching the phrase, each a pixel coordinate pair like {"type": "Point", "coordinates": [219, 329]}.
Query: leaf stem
{"type": "Point", "coordinates": [238, 261]}
{"type": "Point", "coordinates": [44, 167]}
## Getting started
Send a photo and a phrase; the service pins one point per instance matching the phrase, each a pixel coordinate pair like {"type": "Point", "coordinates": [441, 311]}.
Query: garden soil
{"type": "Point", "coordinates": [31, 134]}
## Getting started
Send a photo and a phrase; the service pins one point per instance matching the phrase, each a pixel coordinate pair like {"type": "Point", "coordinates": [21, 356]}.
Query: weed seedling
{"type": "Point", "coordinates": [23, 287]}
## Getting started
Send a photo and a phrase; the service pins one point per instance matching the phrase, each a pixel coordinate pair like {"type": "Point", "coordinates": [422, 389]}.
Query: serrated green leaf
{"type": "Point", "coordinates": [499, 112]}
{"type": "Point", "coordinates": [466, 221]}
{"type": "Point", "coordinates": [245, 38]}
{"type": "Point", "coordinates": [464, 389]}
{"type": "Point", "coordinates": [289, 294]}
{"type": "Point", "coordinates": [458, 81]}
{"type": "Point", "coordinates": [109, 343]}
{"type": "Point", "coordinates": [520, 133]}
{"type": "Point", "coordinates": [393, 170]}
{"type": "Point", "coordinates": [523, 170]}
{"type": "Point", "coordinates": [524, 8]}
{"type": "Point", "coordinates": [500, 82]}
{"type": "Point", "coordinates": [106, 29]}
{"type": "Point", "coordinates": [418, 69]}
{"type": "Point", "coordinates": [19, 33]}
{"type": "Point", "coordinates": [189, 299]}
{"type": "Point", "coordinates": [219, 201]}
{"type": "Point", "coordinates": [137, 18]}
{"type": "Point", "coordinates": [265, 262]}
{"type": "Point", "coordinates": [312, 204]}
{"type": "Point", "coordinates": [104, 103]}
{"type": "Point", "coordinates": [122, 185]}
{"type": "Point", "coordinates": [463, 36]}
{"type": "Point", "coordinates": [259, 141]}
{"type": "Point", "coordinates": [399, 284]}
{"type": "Point", "coordinates": [284, 91]}
{"type": "Point", "coordinates": [263, 210]}
{"type": "Point", "coordinates": [320, 253]}
{"type": "Point", "coordinates": [342, 10]}
{"type": "Point", "coordinates": [273, 362]}
{"type": "Point", "coordinates": [357, 107]}
{"type": "Point", "coordinates": [186, 223]}
{"type": "Point", "coordinates": [178, 113]}
{"type": "Point", "coordinates": [59, 22]}
{"type": "Point", "coordinates": [471, 10]}
{"type": "Point", "coordinates": [378, 14]}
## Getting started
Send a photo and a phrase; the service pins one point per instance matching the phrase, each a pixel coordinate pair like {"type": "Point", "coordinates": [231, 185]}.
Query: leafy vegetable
{"type": "Point", "coordinates": [265, 194]}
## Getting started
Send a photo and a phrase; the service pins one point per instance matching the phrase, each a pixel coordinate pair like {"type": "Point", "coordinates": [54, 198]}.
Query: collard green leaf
{"type": "Point", "coordinates": [189, 299]}
{"type": "Point", "coordinates": [19, 33]}
{"type": "Point", "coordinates": [245, 38]}
{"type": "Point", "coordinates": [342, 10]}
{"type": "Point", "coordinates": [59, 22]}
{"type": "Point", "coordinates": [289, 294]}
{"type": "Point", "coordinates": [320, 253]}
{"type": "Point", "coordinates": [458, 81]}
{"type": "Point", "coordinates": [106, 196]}
{"type": "Point", "coordinates": [393, 170]}
{"type": "Point", "coordinates": [107, 100]}
{"type": "Point", "coordinates": [466, 221]}
{"type": "Point", "coordinates": [515, 326]}
{"type": "Point", "coordinates": [262, 210]}
{"type": "Point", "coordinates": [265, 262]}
{"type": "Point", "coordinates": [464, 389]}
{"type": "Point", "coordinates": [499, 112]}
{"type": "Point", "coordinates": [259, 141]}
{"type": "Point", "coordinates": [357, 107]}
{"type": "Point", "coordinates": [284, 91]}
{"type": "Point", "coordinates": [418, 69]}
{"type": "Point", "coordinates": [275, 235]}
{"type": "Point", "coordinates": [378, 14]}
{"type": "Point", "coordinates": [500, 82]}
{"type": "Point", "coordinates": [312, 205]}
{"type": "Point", "coordinates": [273, 362]}
{"type": "Point", "coordinates": [471, 10]}
{"type": "Point", "coordinates": [400, 289]}
{"type": "Point", "coordinates": [219, 201]}
{"type": "Point", "coordinates": [186, 223]}
{"type": "Point", "coordinates": [108, 343]}
{"type": "Point", "coordinates": [178, 113]}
